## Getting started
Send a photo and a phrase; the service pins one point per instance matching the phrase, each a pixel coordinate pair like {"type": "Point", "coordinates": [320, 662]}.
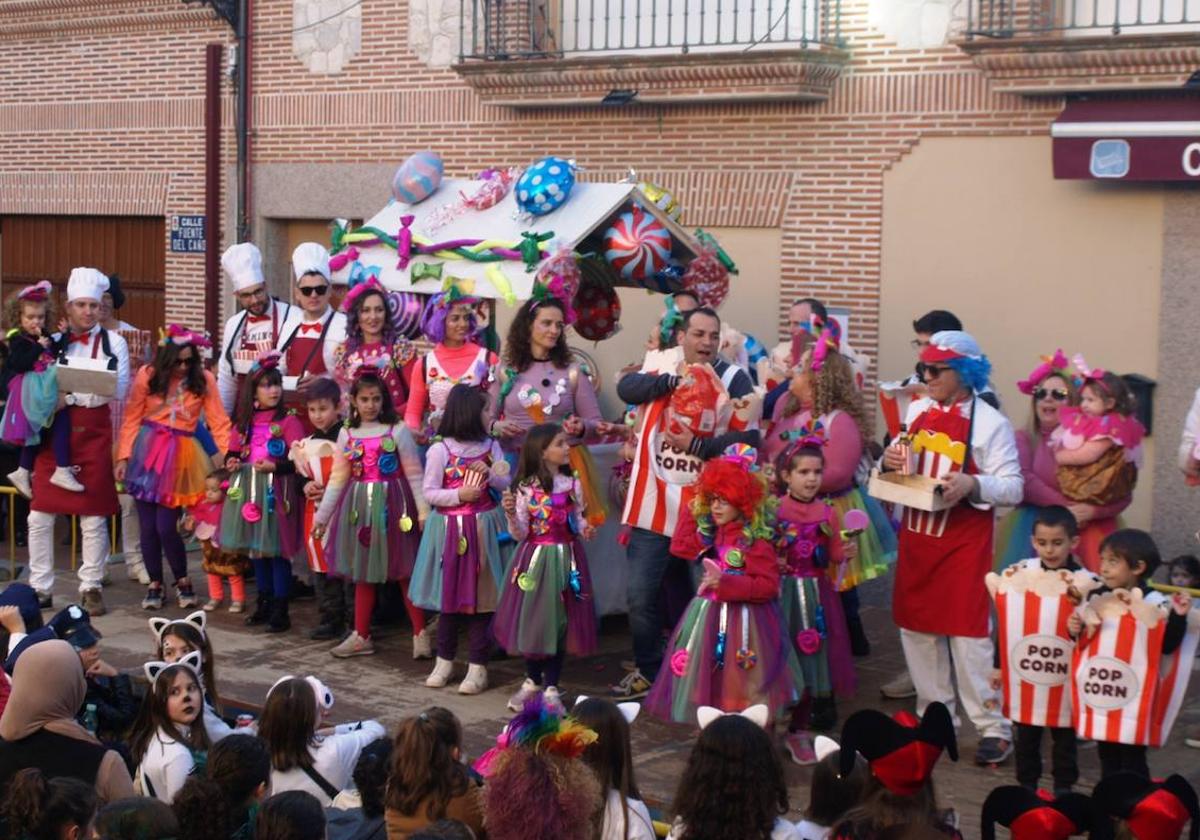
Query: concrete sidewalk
{"type": "Point", "coordinates": [389, 686]}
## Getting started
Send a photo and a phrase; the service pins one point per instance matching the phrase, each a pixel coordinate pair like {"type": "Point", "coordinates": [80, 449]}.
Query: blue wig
{"type": "Point", "coordinates": [974, 373]}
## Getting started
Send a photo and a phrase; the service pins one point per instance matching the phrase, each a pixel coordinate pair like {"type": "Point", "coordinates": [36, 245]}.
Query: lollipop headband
{"type": "Point", "coordinates": [37, 293]}
{"type": "Point", "coordinates": [829, 336]}
{"type": "Point", "coordinates": [742, 455]}
{"type": "Point", "coordinates": [1055, 365]}
{"type": "Point", "coordinates": [181, 336]}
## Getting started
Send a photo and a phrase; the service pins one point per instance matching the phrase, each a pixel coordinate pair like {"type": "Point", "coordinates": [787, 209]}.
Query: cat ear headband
{"type": "Point", "coordinates": [757, 714]}
{"type": "Point", "coordinates": [629, 711]}
{"type": "Point", "coordinates": [321, 691]}
{"type": "Point", "coordinates": [198, 619]}
{"type": "Point", "coordinates": [191, 661]}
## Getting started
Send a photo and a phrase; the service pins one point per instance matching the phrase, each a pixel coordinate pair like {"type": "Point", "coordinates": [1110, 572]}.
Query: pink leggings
{"type": "Point", "coordinates": [237, 588]}
{"type": "Point", "coordinates": [364, 605]}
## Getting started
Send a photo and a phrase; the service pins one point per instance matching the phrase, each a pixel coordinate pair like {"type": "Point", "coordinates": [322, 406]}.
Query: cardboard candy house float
{"type": "Point", "coordinates": [495, 235]}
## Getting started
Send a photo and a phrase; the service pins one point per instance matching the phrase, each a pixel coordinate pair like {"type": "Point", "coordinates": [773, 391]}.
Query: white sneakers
{"type": "Point", "coordinates": [19, 478]}
{"type": "Point", "coordinates": [474, 682]}
{"type": "Point", "coordinates": [441, 673]}
{"type": "Point", "coordinates": [353, 645]}
{"type": "Point", "coordinates": [517, 702]}
{"type": "Point", "coordinates": [423, 644]}
{"type": "Point", "coordinates": [64, 477]}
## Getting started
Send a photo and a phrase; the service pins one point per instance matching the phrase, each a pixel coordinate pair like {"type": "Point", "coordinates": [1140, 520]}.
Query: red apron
{"type": "Point", "coordinates": [305, 355]}
{"type": "Point", "coordinates": [943, 556]}
{"type": "Point", "coordinates": [91, 451]}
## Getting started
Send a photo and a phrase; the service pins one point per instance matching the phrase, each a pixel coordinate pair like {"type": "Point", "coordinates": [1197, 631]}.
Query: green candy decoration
{"type": "Point", "coordinates": [526, 582]}
{"type": "Point", "coordinates": [734, 558]}
{"type": "Point", "coordinates": [387, 445]}
{"type": "Point", "coordinates": [406, 523]}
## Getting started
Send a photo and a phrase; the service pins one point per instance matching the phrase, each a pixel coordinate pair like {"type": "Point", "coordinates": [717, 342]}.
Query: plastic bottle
{"type": "Point", "coordinates": [91, 720]}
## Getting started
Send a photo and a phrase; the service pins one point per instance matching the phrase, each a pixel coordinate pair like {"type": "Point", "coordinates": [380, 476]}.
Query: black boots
{"type": "Point", "coordinates": [262, 610]}
{"type": "Point", "coordinates": [279, 621]}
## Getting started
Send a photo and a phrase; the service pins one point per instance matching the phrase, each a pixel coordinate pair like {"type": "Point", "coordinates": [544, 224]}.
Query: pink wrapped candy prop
{"type": "Point", "coordinates": [563, 263]}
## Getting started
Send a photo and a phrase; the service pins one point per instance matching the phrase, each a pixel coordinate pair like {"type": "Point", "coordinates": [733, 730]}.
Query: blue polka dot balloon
{"type": "Point", "coordinates": [545, 185]}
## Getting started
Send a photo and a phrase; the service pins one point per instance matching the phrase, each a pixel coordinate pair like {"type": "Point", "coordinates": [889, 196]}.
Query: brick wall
{"type": "Point", "coordinates": [101, 91]}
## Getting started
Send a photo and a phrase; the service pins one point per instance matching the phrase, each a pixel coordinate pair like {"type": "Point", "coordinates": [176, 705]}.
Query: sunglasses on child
{"type": "Point", "coordinates": [1057, 394]}
{"type": "Point", "coordinates": [309, 291]}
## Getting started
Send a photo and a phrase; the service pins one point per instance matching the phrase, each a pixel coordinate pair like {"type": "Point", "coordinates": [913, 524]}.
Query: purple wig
{"type": "Point", "coordinates": [433, 319]}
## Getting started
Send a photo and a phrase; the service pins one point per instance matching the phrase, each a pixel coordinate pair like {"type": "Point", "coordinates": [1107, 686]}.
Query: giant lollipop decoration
{"type": "Point", "coordinates": [637, 245]}
{"type": "Point", "coordinates": [417, 178]}
{"type": "Point", "coordinates": [405, 309]}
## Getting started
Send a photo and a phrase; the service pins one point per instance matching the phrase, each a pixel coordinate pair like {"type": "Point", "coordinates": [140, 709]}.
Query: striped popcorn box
{"type": "Point", "coordinates": [1036, 651]}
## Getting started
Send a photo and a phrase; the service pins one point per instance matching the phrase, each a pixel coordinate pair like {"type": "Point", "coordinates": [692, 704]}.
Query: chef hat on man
{"type": "Point", "coordinates": [243, 263]}
{"type": "Point", "coordinates": [310, 258]}
{"type": "Point", "coordinates": [86, 283]}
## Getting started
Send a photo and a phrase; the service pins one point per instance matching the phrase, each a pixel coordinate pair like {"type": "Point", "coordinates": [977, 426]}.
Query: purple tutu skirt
{"type": "Point", "coordinates": [547, 604]}
{"type": "Point", "coordinates": [816, 624]}
{"type": "Point", "coordinates": [373, 535]}
{"type": "Point", "coordinates": [753, 663]}
{"type": "Point", "coordinates": [32, 399]}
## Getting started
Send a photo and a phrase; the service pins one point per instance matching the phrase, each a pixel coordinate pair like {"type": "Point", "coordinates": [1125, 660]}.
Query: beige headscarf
{"type": "Point", "coordinates": [47, 692]}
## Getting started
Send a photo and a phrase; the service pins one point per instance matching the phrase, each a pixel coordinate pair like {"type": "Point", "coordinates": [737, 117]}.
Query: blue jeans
{"type": "Point", "coordinates": [653, 573]}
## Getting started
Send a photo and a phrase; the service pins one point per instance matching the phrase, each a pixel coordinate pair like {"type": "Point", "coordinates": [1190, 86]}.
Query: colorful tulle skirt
{"type": "Point", "coordinates": [460, 563]}
{"type": "Point", "coordinates": [876, 545]}
{"type": "Point", "coordinates": [167, 466]}
{"type": "Point", "coordinates": [32, 399]}
{"type": "Point", "coordinates": [261, 514]}
{"type": "Point", "coordinates": [547, 604]}
{"type": "Point", "coordinates": [373, 535]}
{"type": "Point", "coordinates": [816, 624]}
{"type": "Point", "coordinates": [1014, 536]}
{"type": "Point", "coordinates": [751, 661]}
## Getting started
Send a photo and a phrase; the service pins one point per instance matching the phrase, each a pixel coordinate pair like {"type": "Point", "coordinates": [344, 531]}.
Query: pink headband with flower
{"type": "Point", "coordinates": [1055, 365]}
{"type": "Point", "coordinates": [371, 284]}
{"type": "Point", "coordinates": [180, 336]}
{"type": "Point", "coordinates": [267, 360]}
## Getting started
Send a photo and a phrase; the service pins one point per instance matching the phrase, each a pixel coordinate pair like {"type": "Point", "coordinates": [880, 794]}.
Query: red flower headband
{"type": "Point", "coordinates": [371, 284]}
{"type": "Point", "coordinates": [38, 292]}
{"type": "Point", "coordinates": [180, 335]}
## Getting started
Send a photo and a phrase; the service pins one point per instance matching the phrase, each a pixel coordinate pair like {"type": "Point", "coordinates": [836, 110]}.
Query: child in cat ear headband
{"type": "Point", "coordinates": [168, 740]}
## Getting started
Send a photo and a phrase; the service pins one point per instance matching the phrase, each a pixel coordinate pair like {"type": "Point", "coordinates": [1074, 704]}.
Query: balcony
{"type": "Point", "coordinates": [570, 53]}
{"type": "Point", "coordinates": [1054, 47]}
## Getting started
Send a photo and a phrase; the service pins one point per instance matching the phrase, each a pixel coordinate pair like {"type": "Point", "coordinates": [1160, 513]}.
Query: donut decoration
{"type": "Point", "coordinates": [418, 177]}
{"type": "Point", "coordinates": [637, 245]}
{"type": "Point", "coordinates": [598, 311]}
{"type": "Point", "coordinates": [545, 185]}
{"type": "Point", "coordinates": [405, 309]}
{"type": "Point", "coordinates": [708, 278]}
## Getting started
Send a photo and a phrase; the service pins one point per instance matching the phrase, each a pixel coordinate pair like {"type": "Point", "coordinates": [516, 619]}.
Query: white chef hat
{"type": "Point", "coordinates": [243, 263]}
{"type": "Point", "coordinates": [86, 283]}
{"type": "Point", "coordinates": [310, 258]}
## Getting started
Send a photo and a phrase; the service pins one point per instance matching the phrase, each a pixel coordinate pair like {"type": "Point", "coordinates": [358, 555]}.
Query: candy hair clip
{"type": "Point", "coordinates": [554, 291]}
{"type": "Point", "coordinates": [181, 336]}
{"type": "Point", "coordinates": [191, 661]}
{"type": "Point", "coordinates": [198, 620]}
{"type": "Point", "coordinates": [829, 337]}
{"type": "Point", "coordinates": [742, 454]}
{"type": "Point", "coordinates": [37, 293]}
{"type": "Point", "coordinates": [267, 360]}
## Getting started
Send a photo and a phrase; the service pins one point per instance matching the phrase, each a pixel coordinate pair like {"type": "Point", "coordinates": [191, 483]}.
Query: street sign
{"type": "Point", "coordinates": [187, 234]}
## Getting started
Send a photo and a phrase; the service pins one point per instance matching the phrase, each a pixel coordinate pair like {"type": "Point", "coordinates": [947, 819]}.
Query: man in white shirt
{"type": "Point", "coordinates": [258, 326]}
{"type": "Point", "coordinates": [91, 450]}
{"type": "Point", "coordinates": [313, 331]}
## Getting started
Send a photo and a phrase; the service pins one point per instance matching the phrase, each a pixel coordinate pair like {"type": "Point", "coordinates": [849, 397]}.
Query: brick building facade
{"type": "Point", "coordinates": [103, 115]}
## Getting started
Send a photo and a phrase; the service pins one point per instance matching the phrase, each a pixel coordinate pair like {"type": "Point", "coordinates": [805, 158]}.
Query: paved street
{"type": "Point", "coordinates": [389, 686]}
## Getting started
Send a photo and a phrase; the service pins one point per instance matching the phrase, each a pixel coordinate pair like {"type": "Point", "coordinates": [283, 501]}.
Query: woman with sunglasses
{"type": "Point", "coordinates": [313, 331]}
{"type": "Point", "coordinates": [161, 458]}
{"type": "Point", "coordinates": [1050, 388]}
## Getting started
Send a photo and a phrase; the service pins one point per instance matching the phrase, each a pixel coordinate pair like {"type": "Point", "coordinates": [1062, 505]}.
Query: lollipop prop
{"type": "Point", "coordinates": [855, 522]}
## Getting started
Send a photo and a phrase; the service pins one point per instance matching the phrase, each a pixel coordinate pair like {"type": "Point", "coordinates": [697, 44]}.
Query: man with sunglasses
{"type": "Point", "coordinates": [257, 326]}
{"type": "Point", "coordinates": [939, 599]}
{"type": "Point", "coordinates": [313, 331]}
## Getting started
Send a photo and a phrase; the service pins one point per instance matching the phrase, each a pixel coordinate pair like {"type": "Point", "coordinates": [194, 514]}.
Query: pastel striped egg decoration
{"type": "Point", "coordinates": [637, 245]}
{"type": "Point", "coordinates": [418, 177]}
